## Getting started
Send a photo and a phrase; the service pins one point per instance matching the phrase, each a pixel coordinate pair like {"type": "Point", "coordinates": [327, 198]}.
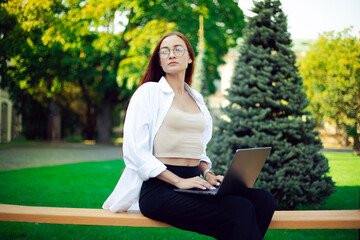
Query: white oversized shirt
{"type": "Point", "coordinates": [145, 114]}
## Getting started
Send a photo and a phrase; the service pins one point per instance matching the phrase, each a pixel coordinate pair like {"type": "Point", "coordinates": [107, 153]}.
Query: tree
{"type": "Point", "coordinates": [331, 71]}
{"type": "Point", "coordinates": [77, 57]}
{"type": "Point", "coordinates": [199, 82]}
{"type": "Point", "coordinates": [267, 109]}
{"type": "Point", "coordinates": [32, 65]}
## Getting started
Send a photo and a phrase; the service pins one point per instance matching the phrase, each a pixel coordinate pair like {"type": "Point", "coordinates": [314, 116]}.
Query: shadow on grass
{"type": "Point", "coordinates": [345, 197]}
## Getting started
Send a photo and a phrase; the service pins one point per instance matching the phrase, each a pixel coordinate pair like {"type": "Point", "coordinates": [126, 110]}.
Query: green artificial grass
{"type": "Point", "coordinates": [344, 170]}
{"type": "Point", "coordinates": [88, 184]}
{"type": "Point", "coordinates": [75, 185]}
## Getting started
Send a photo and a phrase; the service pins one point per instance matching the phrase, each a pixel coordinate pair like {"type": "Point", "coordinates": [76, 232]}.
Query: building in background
{"type": "Point", "coordinates": [10, 122]}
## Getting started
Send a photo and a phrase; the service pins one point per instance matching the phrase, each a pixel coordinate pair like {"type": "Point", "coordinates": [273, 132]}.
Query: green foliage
{"type": "Point", "coordinates": [132, 67]}
{"type": "Point", "coordinates": [267, 109]}
{"type": "Point", "coordinates": [331, 71]}
{"type": "Point", "coordinates": [69, 50]}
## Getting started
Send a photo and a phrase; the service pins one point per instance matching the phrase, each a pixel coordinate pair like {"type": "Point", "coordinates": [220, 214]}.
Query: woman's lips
{"type": "Point", "coordinates": [173, 63]}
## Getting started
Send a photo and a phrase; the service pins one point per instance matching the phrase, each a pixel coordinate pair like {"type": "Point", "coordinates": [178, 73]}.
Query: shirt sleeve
{"type": "Point", "coordinates": [207, 136]}
{"type": "Point", "coordinates": [137, 146]}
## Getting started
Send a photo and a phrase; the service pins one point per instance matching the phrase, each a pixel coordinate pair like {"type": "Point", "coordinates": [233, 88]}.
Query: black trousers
{"type": "Point", "coordinates": [244, 215]}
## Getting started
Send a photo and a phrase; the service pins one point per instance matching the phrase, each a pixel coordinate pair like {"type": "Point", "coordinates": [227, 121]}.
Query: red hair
{"type": "Point", "coordinates": [154, 71]}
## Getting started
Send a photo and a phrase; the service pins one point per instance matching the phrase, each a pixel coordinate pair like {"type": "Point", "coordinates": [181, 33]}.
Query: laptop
{"type": "Point", "coordinates": [242, 173]}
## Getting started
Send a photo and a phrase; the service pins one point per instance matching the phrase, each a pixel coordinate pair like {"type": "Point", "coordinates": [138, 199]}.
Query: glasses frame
{"type": "Point", "coordinates": [173, 52]}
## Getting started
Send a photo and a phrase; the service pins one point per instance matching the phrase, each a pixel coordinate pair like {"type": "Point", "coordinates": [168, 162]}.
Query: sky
{"type": "Point", "coordinates": [308, 18]}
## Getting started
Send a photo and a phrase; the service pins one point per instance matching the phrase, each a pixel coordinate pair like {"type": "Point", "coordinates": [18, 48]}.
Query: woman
{"type": "Point", "coordinates": [166, 130]}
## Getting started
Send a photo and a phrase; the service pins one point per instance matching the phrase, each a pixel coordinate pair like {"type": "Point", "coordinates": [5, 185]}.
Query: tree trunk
{"type": "Point", "coordinates": [104, 122]}
{"type": "Point", "coordinates": [345, 140]}
{"type": "Point", "coordinates": [90, 112]}
{"type": "Point", "coordinates": [90, 123]}
{"type": "Point", "coordinates": [356, 147]}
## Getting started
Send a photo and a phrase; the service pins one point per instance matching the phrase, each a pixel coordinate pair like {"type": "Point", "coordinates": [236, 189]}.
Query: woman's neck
{"type": "Point", "coordinates": [177, 83]}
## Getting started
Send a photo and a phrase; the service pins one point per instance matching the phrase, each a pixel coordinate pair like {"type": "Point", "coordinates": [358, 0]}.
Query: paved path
{"type": "Point", "coordinates": [47, 154]}
{"type": "Point", "coordinates": [344, 150]}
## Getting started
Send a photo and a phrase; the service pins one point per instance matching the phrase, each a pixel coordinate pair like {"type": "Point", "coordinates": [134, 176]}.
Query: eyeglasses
{"type": "Point", "coordinates": [178, 52]}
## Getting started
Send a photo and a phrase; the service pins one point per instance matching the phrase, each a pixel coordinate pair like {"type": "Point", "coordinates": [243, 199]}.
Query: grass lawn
{"type": "Point", "coordinates": [88, 184]}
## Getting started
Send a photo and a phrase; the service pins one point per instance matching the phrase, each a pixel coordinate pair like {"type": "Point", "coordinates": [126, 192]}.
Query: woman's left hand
{"type": "Point", "coordinates": [214, 180]}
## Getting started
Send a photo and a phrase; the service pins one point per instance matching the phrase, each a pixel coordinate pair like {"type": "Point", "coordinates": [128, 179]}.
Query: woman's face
{"type": "Point", "coordinates": [174, 56]}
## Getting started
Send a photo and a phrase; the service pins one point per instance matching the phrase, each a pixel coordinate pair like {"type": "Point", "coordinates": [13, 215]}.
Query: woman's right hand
{"type": "Point", "coordinates": [194, 182]}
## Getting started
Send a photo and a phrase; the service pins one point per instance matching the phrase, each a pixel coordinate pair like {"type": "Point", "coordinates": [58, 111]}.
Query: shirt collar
{"type": "Point", "coordinates": [165, 86]}
{"type": "Point", "coordinates": [193, 93]}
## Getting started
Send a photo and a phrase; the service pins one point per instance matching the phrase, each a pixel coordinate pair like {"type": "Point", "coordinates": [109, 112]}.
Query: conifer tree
{"type": "Point", "coordinates": [267, 108]}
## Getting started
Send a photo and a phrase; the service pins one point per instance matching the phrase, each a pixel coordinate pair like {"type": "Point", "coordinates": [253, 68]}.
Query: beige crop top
{"type": "Point", "coordinates": [180, 135]}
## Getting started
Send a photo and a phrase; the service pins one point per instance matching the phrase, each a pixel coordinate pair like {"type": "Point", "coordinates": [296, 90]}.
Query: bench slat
{"type": "Point", "coordinates": [78, 216]}
{"type": "Point", "coordinates": [317, 219]}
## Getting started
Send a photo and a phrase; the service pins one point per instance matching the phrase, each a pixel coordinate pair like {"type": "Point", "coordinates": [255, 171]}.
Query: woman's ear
{"type": "Point", "coordinates": [190, 61]}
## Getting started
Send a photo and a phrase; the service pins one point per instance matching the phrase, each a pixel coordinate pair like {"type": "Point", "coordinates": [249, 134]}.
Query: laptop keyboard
{"type": "Point", "coordinates": [207, 190]}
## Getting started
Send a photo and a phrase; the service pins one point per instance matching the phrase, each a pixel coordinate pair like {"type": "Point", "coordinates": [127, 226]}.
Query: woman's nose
{"type": "Point", "coordinates": [172, 54]}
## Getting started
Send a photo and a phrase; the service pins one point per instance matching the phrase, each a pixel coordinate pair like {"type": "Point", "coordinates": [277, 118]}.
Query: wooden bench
{"type": "Point", "coordinates": [318, 219]}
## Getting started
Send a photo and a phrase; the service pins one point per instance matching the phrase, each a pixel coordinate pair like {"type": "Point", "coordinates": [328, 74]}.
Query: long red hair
{"type": "Point", "coordinates": [154, 71]}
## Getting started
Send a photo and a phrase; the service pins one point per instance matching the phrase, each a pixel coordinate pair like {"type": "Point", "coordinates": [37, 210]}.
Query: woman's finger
{"type": "Point", "coordinates": [220, 178]}
{"type": "Point", "coordinates": [213, 180]}
{"type": "Point", "coordinates": [200, 186]}
{"type": "Point", "coordinates": [207, 185]}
